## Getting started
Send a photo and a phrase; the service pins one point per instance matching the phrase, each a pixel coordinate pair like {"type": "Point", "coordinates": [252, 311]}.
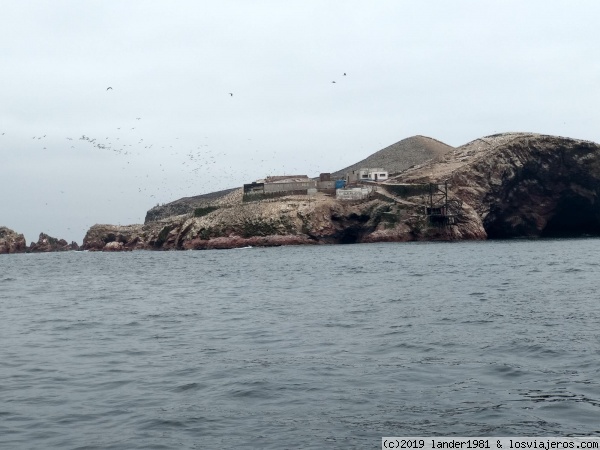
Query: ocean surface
{"type": "Point", "coordinates": [299, 347]}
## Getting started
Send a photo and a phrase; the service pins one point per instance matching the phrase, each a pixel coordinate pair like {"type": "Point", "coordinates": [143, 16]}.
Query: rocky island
{"type": "Point", "coordinates": [501, 186]}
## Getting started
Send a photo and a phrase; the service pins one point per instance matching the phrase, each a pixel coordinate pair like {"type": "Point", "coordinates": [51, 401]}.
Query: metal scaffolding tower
{"type": "Point", "coordinates": [440, 210]}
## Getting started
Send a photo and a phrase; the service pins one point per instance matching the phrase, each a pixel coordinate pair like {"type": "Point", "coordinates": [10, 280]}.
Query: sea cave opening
{"type": "Point", "coordinates": [350, 235]}
{"type": "Point", "coordinates": [574, 216]}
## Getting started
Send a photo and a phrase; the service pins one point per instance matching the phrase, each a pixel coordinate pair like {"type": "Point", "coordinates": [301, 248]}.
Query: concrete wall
{"type": "Point", "coordinates": [292, 186]}
{"type": "Point", "coordinates": [321, 185]}
{"type": "Point", "coordinates": [254, 188]}
{"type": "Point", "coordinates": [352, 194]}
{"type": "Point", "coordinates": [272, 195]}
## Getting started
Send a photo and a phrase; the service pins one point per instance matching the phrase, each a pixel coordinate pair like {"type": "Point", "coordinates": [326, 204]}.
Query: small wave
{"type": "Point", "coordinates": [78, 325]}
{"type": "Point", "coordinates": [507, 371]}
{"type": "Point", "coordinates": [159, 424]}
{"type": "Point", "coordinates": [109, 385]}
{"type": "Point", "coordinates": [362, 311]}
{"type": "Point", "coordinates": [538, 396]}
{"type": "Point", "coordinates": [189, 387]}
{"type": "Point", "coordinates": [339, 325]}
{"type": "Point", "coordinates": [254, 389]}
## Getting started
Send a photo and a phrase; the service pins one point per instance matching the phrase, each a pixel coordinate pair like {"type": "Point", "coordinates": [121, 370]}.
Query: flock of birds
{"type": "Point", "coordinates": [137, 152]}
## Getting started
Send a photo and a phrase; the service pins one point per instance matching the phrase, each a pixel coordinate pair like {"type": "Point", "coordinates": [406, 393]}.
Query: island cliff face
{"type": "Point", "coordinates": [508, 185]}
{"type": "Point", "coordinates": [524, 184]}
{"type": "Point", "coordinates": [535, 186]}
{"type": "Point", "coordinates": [289, 221]}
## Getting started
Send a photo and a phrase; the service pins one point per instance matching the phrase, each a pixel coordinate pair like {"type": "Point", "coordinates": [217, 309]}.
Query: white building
{"type": "Point", "coordinates": [367, 174]}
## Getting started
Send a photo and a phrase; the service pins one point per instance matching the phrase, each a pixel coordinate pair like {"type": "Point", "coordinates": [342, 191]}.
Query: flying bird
{"type": "Point", "coordinates": [333, 81]}
{"type": "Point", "coordinates": [231, 94]}
{"type": "Point", "coordinates": [344, 73]}
{"type": "Point", "coordinates": [108, 88]}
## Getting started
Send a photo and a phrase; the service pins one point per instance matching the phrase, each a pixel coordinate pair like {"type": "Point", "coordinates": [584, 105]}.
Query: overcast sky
{"type": "Point", "coordinates": [74, 153]}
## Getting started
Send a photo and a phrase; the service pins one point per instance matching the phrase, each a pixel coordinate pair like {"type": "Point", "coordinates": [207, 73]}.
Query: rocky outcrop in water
{"type": "Point", "coordinates": [48, 243]}
{"type": "Point", "coordinates": [11, 241]}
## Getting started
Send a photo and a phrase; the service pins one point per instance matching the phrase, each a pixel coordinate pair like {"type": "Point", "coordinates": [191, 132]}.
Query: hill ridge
{"type": "Point", "coordinates": [401, 155]}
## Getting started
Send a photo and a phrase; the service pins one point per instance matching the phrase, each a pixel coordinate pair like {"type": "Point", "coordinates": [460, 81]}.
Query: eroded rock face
{"type": "Point", "coordinates": [98, 238]}
{"type": "Point", "coordinates": [524, 184]}
{"type": "Point", "coordinates": [11, 241]}
{"type": "Point", "coordinates": [287, 221]}
{"type": "Point", "coordinates": [534, 186]}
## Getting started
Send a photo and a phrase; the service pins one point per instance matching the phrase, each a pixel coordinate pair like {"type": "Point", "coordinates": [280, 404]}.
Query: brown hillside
{"type": "Point", "coordinates": [402, 155]}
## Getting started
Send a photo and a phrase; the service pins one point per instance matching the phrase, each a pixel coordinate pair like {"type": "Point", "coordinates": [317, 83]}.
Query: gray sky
{"type": "Point", "coordinates": [452, 70]}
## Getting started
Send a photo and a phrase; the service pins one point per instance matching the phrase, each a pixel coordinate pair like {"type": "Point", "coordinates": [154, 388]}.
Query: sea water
{"type": "Point", "coordinates": [299, 347]}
